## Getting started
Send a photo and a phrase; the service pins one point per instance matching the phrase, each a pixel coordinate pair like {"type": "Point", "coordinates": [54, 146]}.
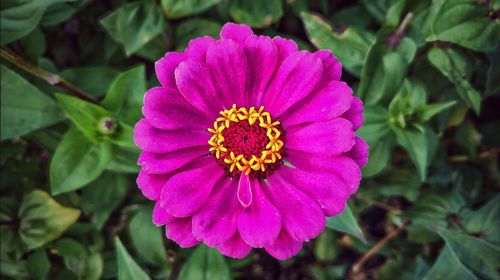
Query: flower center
{"type": "Point", "coordinates": [247, 140]}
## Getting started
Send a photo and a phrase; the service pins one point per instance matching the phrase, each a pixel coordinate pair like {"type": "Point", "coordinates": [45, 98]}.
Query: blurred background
{"type": "Point", "coordinates": [73, 76]}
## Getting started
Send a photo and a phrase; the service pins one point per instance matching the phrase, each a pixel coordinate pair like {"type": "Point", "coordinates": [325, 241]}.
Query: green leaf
{"type": "Point", "coordinates": [378, 8]}
{"type": "Point", "coordinates": [420, 145]}
{"type": "Point", "coordinates": [205, 263]}
{"type": "Point", "coordinates": [349, 46]}
{"type": "Point", "coordinates": [124, 160]}
{"type": "Point", "coordinates": [379, 156]}
{"type": "Point", "coordinates": [19, 18]}
{"type": "Point", "coordinates": [57, 14]}
{"type": "Point", "coordinates": [453, 64]}
{"type": "Point", "coordinates": [24, 107]}
{"type": "Point", "coordinates": [177, 9]}
{"type": "Point", "coordinates": [466, 23]}
{"type": "Point", "coordinates": [426, 112]}
{"type": "Point", "coordinates": [324, 248]}
{"type": "Point", "coordinates": [38, 264]}
{"type": "Point", "coordinates": [94, 80]}
{"type": "Point", "coordinates": [468, 139]}
{"type": "Point", "coordinates": [77, 162]}
{"type": "Point", "coordinates": [484, 221]}
{"type": "Point", "coordinates": [193, 28]}
{"type": "Point", "coordinates": [127, 267]}
{"type": "Point", "coordinates": [134, 24]}
{"type": "Point", "coordinates": [125, 95]}
{"type": "Point", "coordinates": [448, 266]}
{"type": "Point", "coordinates": [346, 223]}
{"type": "Point", "coordinates": [103, 196]}
{"type": "Point", "coordinates": [147, 238]}
{"type": "Point", "coordinates": [43, 219]}
{"type": "Point", "coordinates": [435, 209]}
{"type": "Point", "coordinates": [256, 13]}
{"type": "Point", "coordinates": [376, 124]}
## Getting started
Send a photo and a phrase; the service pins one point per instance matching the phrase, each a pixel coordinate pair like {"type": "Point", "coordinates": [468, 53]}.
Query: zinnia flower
{"type": "Point", "coordinates": [249, 143]}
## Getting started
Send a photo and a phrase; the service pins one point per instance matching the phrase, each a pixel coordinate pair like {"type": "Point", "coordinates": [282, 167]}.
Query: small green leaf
{"type": "Point", "coordinates": [24, 107]}
{"type": "Point", "coordinates": [57, 14]}
{"type": "Point", "coordinates": [94, 80]}
{"type": "Point", "coordinates": [193, 28]}
{"type": "Point", "coordinates": [448, 266]}
{"type": "Point", "coordinates": [346, 223]}
{"type": "Point", "coordinates": [350, 46]}
{"type": "Point", "coordinates": [135, 24]}
{"type": "Point", "coordinates": [468, 139]}
{"type": "Point", "coordinates": [376, 124]}
{"type": "Point", "coordinates": [426, 112]}
{"type": "Point", "coordinates": [435, 209]}
{"type": "Point", "coordinates": [324, 247]}
{"type": "Point", "coordinates": [128, 269]}
{"type": "Point", "coordinates": [256, 13]}
{"type": "Point", "coordinates": [77, 162]}
{"type": "Point", "coordinates": [484, 221]}
{"type": "Point", "coordinates": [177, 9]}
{"type": "Point", "coordinates": [124, 160]}
{"type": "Point", "coordinates": [43, 219]}
{"type": "Point", "coordinates": [379, 156]}
{"type": "Point", "coordinates": [147, 238]}
{"type": "Point", "coordinates": [205, 263]}
{"type": "Point", "coordinates": [38, 264]}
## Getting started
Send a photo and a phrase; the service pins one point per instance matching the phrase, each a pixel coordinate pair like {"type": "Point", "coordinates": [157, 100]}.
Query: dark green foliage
{"type": "Point", "coordinates": [73, 77]}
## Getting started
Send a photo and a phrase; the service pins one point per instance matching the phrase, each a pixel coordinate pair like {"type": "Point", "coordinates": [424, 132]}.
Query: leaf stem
{"type": "Point", "coordinates": [50, 78]}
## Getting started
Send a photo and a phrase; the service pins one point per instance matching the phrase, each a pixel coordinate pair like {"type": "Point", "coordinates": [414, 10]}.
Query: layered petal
{"type": "Point", "coordinates": [166, 163]}
{"type": "Point", "coordinates": [359, 152]}
{"type": "Point", "coordinates": [355, 113]}
{"type": "Point", "coordinates": [151, 184]}
{"type": "Point", "coordinates": [167, 109]}
{"type": "Point", "coordinates": [183, 195]}
{"type": "Point", "coordinates": [236, 32]}
{"type": "Point", "coordinates": [215, 223]}
{"type": "Point", "coordinates": [161, 216]}
{"type": "Point", "coordinates": [260, 223]}
{"type": "Point", "coordinates": [284, 246]}
{"type": "Point", "coordinates": [285, 47]}
{"type": "Point", "coordinates": [197, 48]}
{"type": "Point", "coordinates": [235, 247]}
{"type": "Point", "coordinates": [301, 216]}
{"type": "Point", "coordinates": [295, 79]}
{"type": "Point", "coordinates": [332, 69]}
{"type": "Point", "coordinates": [165, 68]}
{"type": "Point", "coordinates": [155, 140]}
{"type": "Point", "coordinates": [228, 66]}
{"type": "Point", "coordinates": [322, 139]}
{"type": "Point", "coordinates": [181, 232]}
{"type": "Point", "coordinates": [322, 105]}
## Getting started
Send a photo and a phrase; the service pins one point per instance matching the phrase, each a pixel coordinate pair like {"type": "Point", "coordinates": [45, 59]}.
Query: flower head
{"type": "Point", "coordinates": [249, 143]}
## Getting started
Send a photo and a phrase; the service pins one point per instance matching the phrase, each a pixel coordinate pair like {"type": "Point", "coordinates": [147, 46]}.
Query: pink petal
{"type": "Point", "coordinates": [295, 79]}
{"type": "Point", "coordinates": [180, 231]}
{"type": "Point", "coordinates": [359, 152]}
{"type": "Point", "coordinates": [285, 47]}
{"type": "Point", "coordinates": [262, 55]}
{"type": "Point", "coordinates": [355, 113]}
{"type": "Point", "coordinates": [186, 192]}
{"type": "Point", "coordinates": [235, 247]}
{"type": "Point", "coordinates": [165, 68]}
{"type": "Point", "coordinates": [227, 64]}
{"type": "Point", "coordinates": [215, 223]}
{"type": "Point", "coordinates": [151, 184]}
{"type": "Point", "coordinates": [154, 140]}
{"type": "Point", "coordinates": [332, 69]}
{"type": "Point", "coordinates": [322, 105]}
{"type": "Point", "coordinates": [197, 48]}
{"type": "Point", "coordinates": [167, 109]}
{"type": "Point", "coordinates": [284, 246]}
{"type": "Point", "coordinates": [195, 84]}
{"type": "Point", "coordinates": [325, 139]}
{"type": "Point", "coordinates": [260, 223]}
{"type": "Point", "coordinates": [301, 216]}
{"type": "Point", "coordinates": [161, 216]}
{"type": "Point", "coordinates": [245, 190]}
{"type": "Point", "coordinates": [166, 163]}
{"type": "Point", "coordinates": [236, 32]}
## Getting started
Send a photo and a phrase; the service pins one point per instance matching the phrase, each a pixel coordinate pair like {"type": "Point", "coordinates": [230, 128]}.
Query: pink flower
{"type": "Point", "coordinates": [249, 143]}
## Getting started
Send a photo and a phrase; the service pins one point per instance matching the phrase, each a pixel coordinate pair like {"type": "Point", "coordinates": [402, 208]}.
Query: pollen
{"type": "Point", "coordinates": [247, 140]}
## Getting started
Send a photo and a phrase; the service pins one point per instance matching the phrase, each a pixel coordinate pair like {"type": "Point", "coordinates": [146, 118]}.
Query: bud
{"type": "Point", "coordinates": [107, 126]}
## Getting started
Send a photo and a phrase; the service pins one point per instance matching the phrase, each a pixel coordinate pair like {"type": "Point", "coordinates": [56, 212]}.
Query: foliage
{"type": "Point", "coordinates": [73, 76]}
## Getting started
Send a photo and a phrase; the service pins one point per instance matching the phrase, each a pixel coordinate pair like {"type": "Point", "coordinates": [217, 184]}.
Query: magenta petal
{"type": "Point", "coordinates": [154, 140]}
{"type": "Point", "coordinates": [180, 231]}
{"type": "Point", "coordinates": [325, 139]}
{"type": "Point", "coordinates": [196, 85]}
{"type": "Point", "coordinates": [332, 69]}
{"type": "Point", "coordinates": [167, 109]}
{"type": "Point", "coordinates": [324, 104]}
{"type": "Point", "coordinates": [161, 216]}
{"type": "Point", "coordinates": [236, 32]}
{"type": "Point", "coordinates": [295, 79]}
{"type": "Point", "coordinates": [165, 68]}
{"type": "Point", "coordinates": [151, 184]}
{"type": "Point", "coordinates": [284, 246]}
{"type": "Point", "coordinates": [245, 190]}
{"type": "Point", "coordinates": [355, 113]}
{"type": "Point", "coordinates": [188, 191]}
{"type": "Point", "coordinates": [359, 152]}
{"type": "Point", "coordinates": [261, 54]}
{"type": "Point", "coordinates": [235, 247]}
{"type": "Point", "coordinates": [302, 217]}
{"type": "Point", "coordinates": [216, 221]}
{"type": "Point", "coordinates": [260, 223]}
{"type": "Point", "coordinates": [227, 64]}
{"type": "Point", "coordinates": [285, 47]}
{"type": "Point", "coordinates": [166, 163]}
{"type": "Point", "coordinates": [197, 48]}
